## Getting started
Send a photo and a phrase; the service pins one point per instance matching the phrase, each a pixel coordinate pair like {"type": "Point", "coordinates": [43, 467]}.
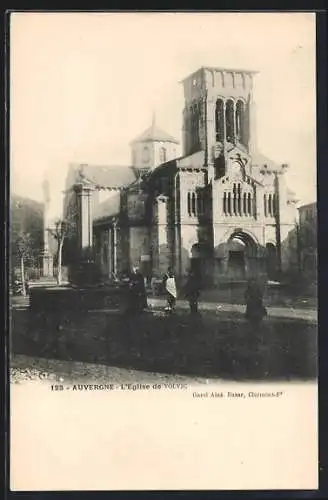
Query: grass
{"type": "Point", "coordinates": [212, 345]}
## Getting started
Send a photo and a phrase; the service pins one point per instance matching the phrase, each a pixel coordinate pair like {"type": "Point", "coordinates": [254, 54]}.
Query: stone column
{"type": "Point", "coordinates": [46, 256]}
{"type": "Point", "coordinates": [163, 258]}
{"type": "Point", "coordinates": [85, 221]}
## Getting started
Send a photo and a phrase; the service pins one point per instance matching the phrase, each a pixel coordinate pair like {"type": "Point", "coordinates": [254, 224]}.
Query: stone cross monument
{"type": "Point", "coordinates": [47, 258]}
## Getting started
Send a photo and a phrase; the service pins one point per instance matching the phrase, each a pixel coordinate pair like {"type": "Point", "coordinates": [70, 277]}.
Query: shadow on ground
{"type": "Point", "coordinates": [213, 345]}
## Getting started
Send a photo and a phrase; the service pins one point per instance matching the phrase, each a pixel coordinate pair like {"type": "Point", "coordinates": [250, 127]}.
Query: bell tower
{"type": "Point", "coordinates": [219, 111]}
{"type": "Point", "coordinates": [153, 147]}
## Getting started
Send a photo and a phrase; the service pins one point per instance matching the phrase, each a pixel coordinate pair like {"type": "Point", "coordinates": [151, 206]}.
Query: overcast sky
{"type": "Point", "coordinates": [84, 84]}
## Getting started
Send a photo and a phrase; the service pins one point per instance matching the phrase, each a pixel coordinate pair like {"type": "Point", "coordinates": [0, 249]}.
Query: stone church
{"type": "Point", "coordinates": [221, 207]}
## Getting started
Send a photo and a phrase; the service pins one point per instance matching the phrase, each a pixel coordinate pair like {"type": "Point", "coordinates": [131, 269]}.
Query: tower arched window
{"type": "Point", "coordinates": [145, 154]}
{"type": "Point", "coordinates": [249, 204]}
{"type": "Point", "coordinates": [270, 204]}
{"type": "Point", "coordinates": [194, 126]}
{"type": "Point", "coordinates": [239, 199]}
{"type": "Point", "coordinates": [274, 205]}
{"type": "Point", "coordinates": [265, 203]}
{"type": "Point", "coordinates": [229, 203]}
{"type": "Point", "coordinates": [225, 202]}
{"type": "Point", "coordinates": [162, 155]}
{"type": "Point", "coordinates": [234, 199]}
{"type": "Point", "coordinates": [230, 121]}
{"type": "Point", "coordinates": [189, 203]}
{"type": "Point", "coordinates": [240, 122]}
{"type": "Point", "coordinates": [193, 204]}
{"type": "Point", "coordinates": [245, 204]}
{"type": "Point", "coordinates": [219, 120]}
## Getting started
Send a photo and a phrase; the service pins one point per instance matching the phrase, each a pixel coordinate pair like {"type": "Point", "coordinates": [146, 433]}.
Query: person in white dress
{"type": "Point", "coordinates": [171, 290]}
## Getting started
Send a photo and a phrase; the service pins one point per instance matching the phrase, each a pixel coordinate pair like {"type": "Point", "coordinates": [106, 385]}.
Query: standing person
{"type": "Point", "coordinates": [171, 290]}
{"type": "Point", "coordinates": [138, 297]}
{"type": "Point", "coordinates": [255, 310]}
{"type": "Point", "coordinates": [193, 291]}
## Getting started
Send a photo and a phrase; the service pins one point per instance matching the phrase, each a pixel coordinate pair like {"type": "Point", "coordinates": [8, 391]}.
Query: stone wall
{"type": "Point", "coordinates": [139, 245]}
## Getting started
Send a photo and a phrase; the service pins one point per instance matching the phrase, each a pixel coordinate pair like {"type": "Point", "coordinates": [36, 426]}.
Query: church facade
{"type": "Point", "coordinates": [221, 207]}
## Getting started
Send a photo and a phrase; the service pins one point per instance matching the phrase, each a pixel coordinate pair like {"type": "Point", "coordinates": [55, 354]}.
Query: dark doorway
{"type": "Point", "coordinates": [201, 263]}
{"type": "Point", "coordinates": [271, 261]}
{"type": "Point", "coordinates": [236, 264]}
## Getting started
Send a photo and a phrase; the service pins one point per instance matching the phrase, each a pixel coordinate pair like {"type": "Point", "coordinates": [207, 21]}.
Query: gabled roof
{"type": "Point", "coordinates": [108, 208]}
{"type": "Point", "coordinates": [154, 134]}
{"type": "Point", "coordinates": [110, 176]}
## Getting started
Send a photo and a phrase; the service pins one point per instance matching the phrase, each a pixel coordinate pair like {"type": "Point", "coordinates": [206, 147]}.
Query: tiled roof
{"type": "Point", "coordinates": [308, 205]}
{"type": "Point", "coordinates": [109, 207]}
{"type": "Point", "coordinates": [110, 176]}
{"type": "Point", "coordinates": [153, 133]}
{"type": "Point", "coordinates": [260, 159]}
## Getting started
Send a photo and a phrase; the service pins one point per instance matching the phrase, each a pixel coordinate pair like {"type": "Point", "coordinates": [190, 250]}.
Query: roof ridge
{"type": "Point", "coordinates": [154, 133]}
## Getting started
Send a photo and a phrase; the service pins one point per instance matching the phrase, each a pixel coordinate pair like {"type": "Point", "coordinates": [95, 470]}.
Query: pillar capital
{"type": "Point", "coordinates": [83, 189]}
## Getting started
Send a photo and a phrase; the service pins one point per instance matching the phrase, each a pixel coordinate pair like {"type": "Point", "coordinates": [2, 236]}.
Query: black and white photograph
{"type": "Point", "coordinates": [163, 251]}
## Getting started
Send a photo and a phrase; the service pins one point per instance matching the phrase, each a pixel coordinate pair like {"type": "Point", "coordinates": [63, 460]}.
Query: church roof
{"type": "Point", "coordinates": [108, 208]}
{"type": "Point", "coordinates": [217, 68]}
{"type": "Point", "coordinates": [154, 134]}
{"type": "Point", "coordinates": [260, 159]}
{"type": "Point", "coordinates": [110, 176]}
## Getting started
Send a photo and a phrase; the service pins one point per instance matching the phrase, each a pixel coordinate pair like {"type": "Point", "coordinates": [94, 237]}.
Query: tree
{"type": "Point", "coordinates": [26, 230]}
{"type": "Point", "coordinates": [61, 230]}
{"type": "Point", "coordinates": [24, 246]}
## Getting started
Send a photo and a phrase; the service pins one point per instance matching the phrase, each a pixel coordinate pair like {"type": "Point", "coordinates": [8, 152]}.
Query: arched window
{"type": "Point", "coordinates": [274, 205]}
{"type": "Point", "coordinates": [230, 119]}
{"type": "Point", "coordinates": [193, 204]}
{"type": "Point", "coordinates": [162, 155]}
{"type": "Point", "coordinates": [194, 113]}
{"type": "Point", "coordinates": [245, 204]}
{"type": "Point", "coordinates": [225, 203]}
{"type": "Point", "coordinates": [189, 203]}
{"type": "Point", "coordinates": [265, 203]}
{"type": "Point", "coordinates": [229, 203]}
{"type": "Point", "coordinates": [240, 122]}
{"type": "Point", "coordinates": [249, 204]}
{"type": "Point", "coordinates": [239, 199]}
{"type": "Point", "coordinates": [270, 204]}
{"type": "Point", "coordinates": [196, 125]}
{"type": "Point", "coordinates": [219, 117]}
{"type": "Point", "coordinates": [145, 155]}
{"type": "Point", "coordinates": [234, 199]}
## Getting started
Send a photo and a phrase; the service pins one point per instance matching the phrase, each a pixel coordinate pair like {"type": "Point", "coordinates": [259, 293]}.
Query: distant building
{"type": "Point", "coordinates": [308, 238]}
{"type": "Point", "coordinates": [222, 207]}
{"type": "Point", "coordinates": [26, 217]}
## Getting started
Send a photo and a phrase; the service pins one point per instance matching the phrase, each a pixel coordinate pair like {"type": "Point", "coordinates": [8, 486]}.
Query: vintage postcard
{"type": "Point", "coordinates": [163, 259]}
